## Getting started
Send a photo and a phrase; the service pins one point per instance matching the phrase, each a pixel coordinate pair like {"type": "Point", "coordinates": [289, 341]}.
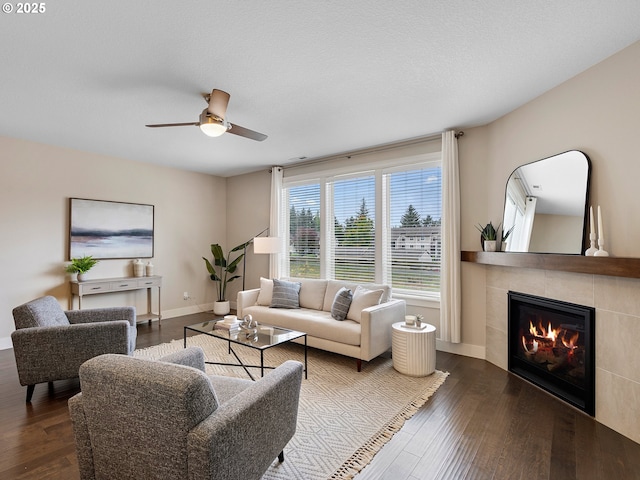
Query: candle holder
{"type": "Point", "coordinates": [601, 252]}
{"type": "Point", "coordinates": [591, 251]}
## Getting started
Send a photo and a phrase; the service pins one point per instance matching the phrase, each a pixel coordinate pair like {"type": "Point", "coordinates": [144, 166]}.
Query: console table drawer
{"type": "Point", "coordinates": [124, 285]}
{"type": "Point", "coordinates": [150, 282]}
{"type": "Point", "coordinates": [95, 287]}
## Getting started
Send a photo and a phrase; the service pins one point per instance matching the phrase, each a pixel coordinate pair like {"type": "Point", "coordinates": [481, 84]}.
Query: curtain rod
{"type": "Point", "coordinates": [376, 149]}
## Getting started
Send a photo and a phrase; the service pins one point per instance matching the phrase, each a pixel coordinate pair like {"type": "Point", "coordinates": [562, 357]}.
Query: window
{"type": "Point", "coordinates": [380, 225]}
{"type": "Point", "coordinates": [353, 238]}
{"type": "Point", "coordinates": [415, 206]}
{"type": "Point", "coordinates": [304, 230]}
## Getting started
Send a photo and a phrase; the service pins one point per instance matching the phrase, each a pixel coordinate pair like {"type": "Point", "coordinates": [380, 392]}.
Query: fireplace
{"type": "Point", "coordinates": [552, 345]}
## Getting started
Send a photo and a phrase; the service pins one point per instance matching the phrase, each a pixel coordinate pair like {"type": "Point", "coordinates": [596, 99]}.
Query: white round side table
{"type": "Point", "coordinates": [413, 351]}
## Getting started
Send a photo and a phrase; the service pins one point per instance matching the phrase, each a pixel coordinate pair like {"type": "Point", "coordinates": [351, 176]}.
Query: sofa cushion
{"type": "Point", "coordinates": [314, 323]}
{"type": "Point", "coordinates": [285, 294]}
{"type": "Point", "coordinates": [334, 285]}
{"type": "Point", "coordinates": [266, 292]}
{"type": "Point", "coordinates": [332, 289]}
{"type": "Point", "coordinates": [363, 298]}
{"type": "Point", "coordinates": [341, 304]}
{"type": "Point", "coordinates": [312, 292]}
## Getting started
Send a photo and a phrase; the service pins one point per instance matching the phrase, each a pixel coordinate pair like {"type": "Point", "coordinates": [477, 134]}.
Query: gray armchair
{"type": "Point", "coordinates": [167, 419]}
{"type": "Point", "coordinates": [50, 343]}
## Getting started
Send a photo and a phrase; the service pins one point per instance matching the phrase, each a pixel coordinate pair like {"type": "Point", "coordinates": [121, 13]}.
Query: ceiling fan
{"type": "Point", "coordinates": [213, 121]}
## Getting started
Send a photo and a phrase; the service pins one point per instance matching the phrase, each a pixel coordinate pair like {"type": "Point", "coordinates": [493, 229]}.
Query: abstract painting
{"type": "Point", "coordinates": [105, 229]}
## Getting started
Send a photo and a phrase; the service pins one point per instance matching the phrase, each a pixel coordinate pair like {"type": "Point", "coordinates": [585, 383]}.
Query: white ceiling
{"type": "Point", "coordinates": [318, 78]}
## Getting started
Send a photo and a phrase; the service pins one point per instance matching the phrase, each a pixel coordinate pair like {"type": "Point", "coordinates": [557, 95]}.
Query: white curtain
{"type": "Point", "coordinates": [450, 300]}
{"type": "Point", "coordinates": [275, 216]}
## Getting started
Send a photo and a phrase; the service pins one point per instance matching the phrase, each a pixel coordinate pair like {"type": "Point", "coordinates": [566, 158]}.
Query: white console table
{"type": "Point", "coordinates": [121, 284]}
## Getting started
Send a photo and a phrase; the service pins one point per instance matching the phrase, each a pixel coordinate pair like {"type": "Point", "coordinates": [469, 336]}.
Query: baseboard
{"type": "Point", "coordinates": [466, 349]}
{"type": "Point", "coordinates": [191, 309]}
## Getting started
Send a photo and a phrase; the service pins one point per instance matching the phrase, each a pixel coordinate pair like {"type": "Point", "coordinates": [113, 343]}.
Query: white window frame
{"type": "Point", "coordinates": [325, 178]}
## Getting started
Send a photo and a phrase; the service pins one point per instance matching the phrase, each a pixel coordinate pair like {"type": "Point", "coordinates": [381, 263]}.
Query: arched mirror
{"type": "Point", "coordinates": [546, 205]}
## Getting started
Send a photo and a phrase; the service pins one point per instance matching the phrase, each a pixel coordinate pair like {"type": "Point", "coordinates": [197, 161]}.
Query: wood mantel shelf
{"type": "Point", "coordinates": [611, 266]}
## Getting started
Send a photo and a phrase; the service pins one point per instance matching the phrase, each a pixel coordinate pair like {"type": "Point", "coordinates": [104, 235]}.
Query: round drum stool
{"type": "Point", "coordinates": [413, 350]}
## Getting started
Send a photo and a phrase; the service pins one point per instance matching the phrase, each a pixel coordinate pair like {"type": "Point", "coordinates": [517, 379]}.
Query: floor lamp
{"type": "Point", "coordinates": [261, 246]}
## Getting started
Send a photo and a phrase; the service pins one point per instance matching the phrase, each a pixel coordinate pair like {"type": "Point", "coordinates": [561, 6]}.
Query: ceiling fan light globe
{"type": "Point", "coordinates": [213, 129]}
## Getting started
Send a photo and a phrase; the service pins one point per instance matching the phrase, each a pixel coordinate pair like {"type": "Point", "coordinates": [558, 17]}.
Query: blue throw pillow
{"type": "Point", "coordinates": [285, 294]}
{"type": "Point", "coordinates": [341, 303]}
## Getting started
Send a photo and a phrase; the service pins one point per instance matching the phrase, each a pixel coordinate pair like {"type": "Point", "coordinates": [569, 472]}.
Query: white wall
{"type": "Point", "coordinates": [36, 182]}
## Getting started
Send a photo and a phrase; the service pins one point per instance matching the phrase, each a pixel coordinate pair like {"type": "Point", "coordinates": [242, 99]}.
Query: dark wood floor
{"type": "Point", "coordinates": [481, 424]}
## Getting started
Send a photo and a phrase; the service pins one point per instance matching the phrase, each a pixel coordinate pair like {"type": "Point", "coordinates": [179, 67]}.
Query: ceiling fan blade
{"type": "Point", "coordinates": [245, 132]}
{"type": "Point", "coordinates": [172, 124]}
{"type": "Point", "coordinates": [218, 101]}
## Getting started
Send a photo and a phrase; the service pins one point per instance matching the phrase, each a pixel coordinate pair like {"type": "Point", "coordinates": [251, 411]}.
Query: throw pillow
{"type": "Point", "coordinates": [363, 298]}
{"type": "Point", "coordinates": [341, 304]}
{"type": "Point", "coordinates": [285, 294]}
{"type": "Point", "coordinates": [266, 292]}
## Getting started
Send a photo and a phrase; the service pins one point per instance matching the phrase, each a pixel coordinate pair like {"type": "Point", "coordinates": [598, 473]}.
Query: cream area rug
{"type": "Point", "coordinates": [344, 417]}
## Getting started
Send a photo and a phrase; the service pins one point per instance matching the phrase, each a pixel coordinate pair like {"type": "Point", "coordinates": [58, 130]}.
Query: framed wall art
{"type": "Point", "coordinates": [105, 229]}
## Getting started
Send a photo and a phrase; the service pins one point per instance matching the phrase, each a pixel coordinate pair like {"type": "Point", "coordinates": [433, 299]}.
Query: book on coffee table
{"type": "Point", "coordinates": [232, 326]}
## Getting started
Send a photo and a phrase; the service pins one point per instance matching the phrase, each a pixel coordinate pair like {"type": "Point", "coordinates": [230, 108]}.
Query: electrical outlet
{"type": "Point", "coordinates": [185, 296]}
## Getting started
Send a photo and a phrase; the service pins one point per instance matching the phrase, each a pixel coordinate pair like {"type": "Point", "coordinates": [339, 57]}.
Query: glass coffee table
{"type": "Point", "coordinates": [265, 338]}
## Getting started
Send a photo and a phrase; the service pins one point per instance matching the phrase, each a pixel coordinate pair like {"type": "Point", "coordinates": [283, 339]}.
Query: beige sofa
{"type": "Point", "coordinates": [365, 334]}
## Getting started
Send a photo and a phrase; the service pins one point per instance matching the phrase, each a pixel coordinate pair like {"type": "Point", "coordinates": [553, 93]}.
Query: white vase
{"type": "Point", "coordinates": [149, 269]}
{"type": "Point", "coordinates": [81, 277]}
{"type": "Point", "coordinates": [221, 308]}
{"type": "Point", "coordinates": [489, 245]}
{"type": "Point", "coordinates": [138, 268]}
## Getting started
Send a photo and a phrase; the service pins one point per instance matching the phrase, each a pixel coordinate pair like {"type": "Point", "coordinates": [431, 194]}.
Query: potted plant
{"type": "Point", "coordinates": [503, 238]}
{"type": "Point", "coordinates": [222, 271]}
{"type": "Point", "coordinates": [81, 266]}
{"type": "Point", "coordinates": [489, 236]}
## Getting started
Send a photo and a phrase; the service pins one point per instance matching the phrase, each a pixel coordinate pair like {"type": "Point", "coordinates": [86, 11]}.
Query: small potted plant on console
{"type": "Point", "coordinates": [81, 266]}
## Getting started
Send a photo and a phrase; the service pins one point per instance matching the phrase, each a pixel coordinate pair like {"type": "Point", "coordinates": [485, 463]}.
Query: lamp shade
{"type": "Point", "coordinates": [267, 245]}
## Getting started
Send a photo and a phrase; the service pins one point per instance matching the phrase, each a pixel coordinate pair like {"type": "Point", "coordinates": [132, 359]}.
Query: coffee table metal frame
{"type": "Point", "coordinates": [261, 341]}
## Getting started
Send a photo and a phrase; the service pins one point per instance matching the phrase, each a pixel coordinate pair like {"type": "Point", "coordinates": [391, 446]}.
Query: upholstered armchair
{"type": "Point", "coordinates": [50, 343]}
{"type": "Point", "coordinates": [138, 418]}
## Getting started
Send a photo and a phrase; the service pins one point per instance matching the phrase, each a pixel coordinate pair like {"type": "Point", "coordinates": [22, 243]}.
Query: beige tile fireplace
{"type": "Point", "coordinates": [617, 324]}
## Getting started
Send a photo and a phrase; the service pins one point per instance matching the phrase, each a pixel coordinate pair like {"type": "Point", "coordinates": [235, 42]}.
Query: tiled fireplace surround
{"type": "Point", "coordinates": [617, 324]}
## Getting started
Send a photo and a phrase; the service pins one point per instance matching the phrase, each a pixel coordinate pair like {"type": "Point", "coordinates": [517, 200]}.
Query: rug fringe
{"type": "Point", "coordinates": [363, 456]}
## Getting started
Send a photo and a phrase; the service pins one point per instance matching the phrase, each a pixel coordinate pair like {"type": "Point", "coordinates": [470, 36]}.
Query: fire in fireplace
{"type": "Point", "coordinates": [552, 344]}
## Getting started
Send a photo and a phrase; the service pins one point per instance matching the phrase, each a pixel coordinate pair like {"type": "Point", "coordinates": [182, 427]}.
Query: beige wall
{"type": "Point", "coordinates": [36, 182]}
{"type": "Point", "coordinates": [248, 200]}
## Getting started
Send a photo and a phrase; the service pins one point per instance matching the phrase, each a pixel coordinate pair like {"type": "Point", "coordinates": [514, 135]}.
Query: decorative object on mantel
{"type": "Point", "coordinates": [553, 186]}
{"type": "Point", "coordinates": [503, 238]}
{"type": "Point", "coordinates": [489, 236]}
{"type": "Point", "coordinates": [601, 251]}
{"type": "Point", "coordinates": [81, 266]}
{"type": "Point", "coordinates": [592, 235]}
{"type": "Point", "coordinates": [138, 268]}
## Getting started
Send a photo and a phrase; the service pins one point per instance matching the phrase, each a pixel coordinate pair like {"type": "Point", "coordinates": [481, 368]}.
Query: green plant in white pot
{"type": "Point", "coordinates": [223, 271]}
{"type": "Point", "coordinates": [81, 266]}
{"type": "Point", "coordinates": [489, 236]}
